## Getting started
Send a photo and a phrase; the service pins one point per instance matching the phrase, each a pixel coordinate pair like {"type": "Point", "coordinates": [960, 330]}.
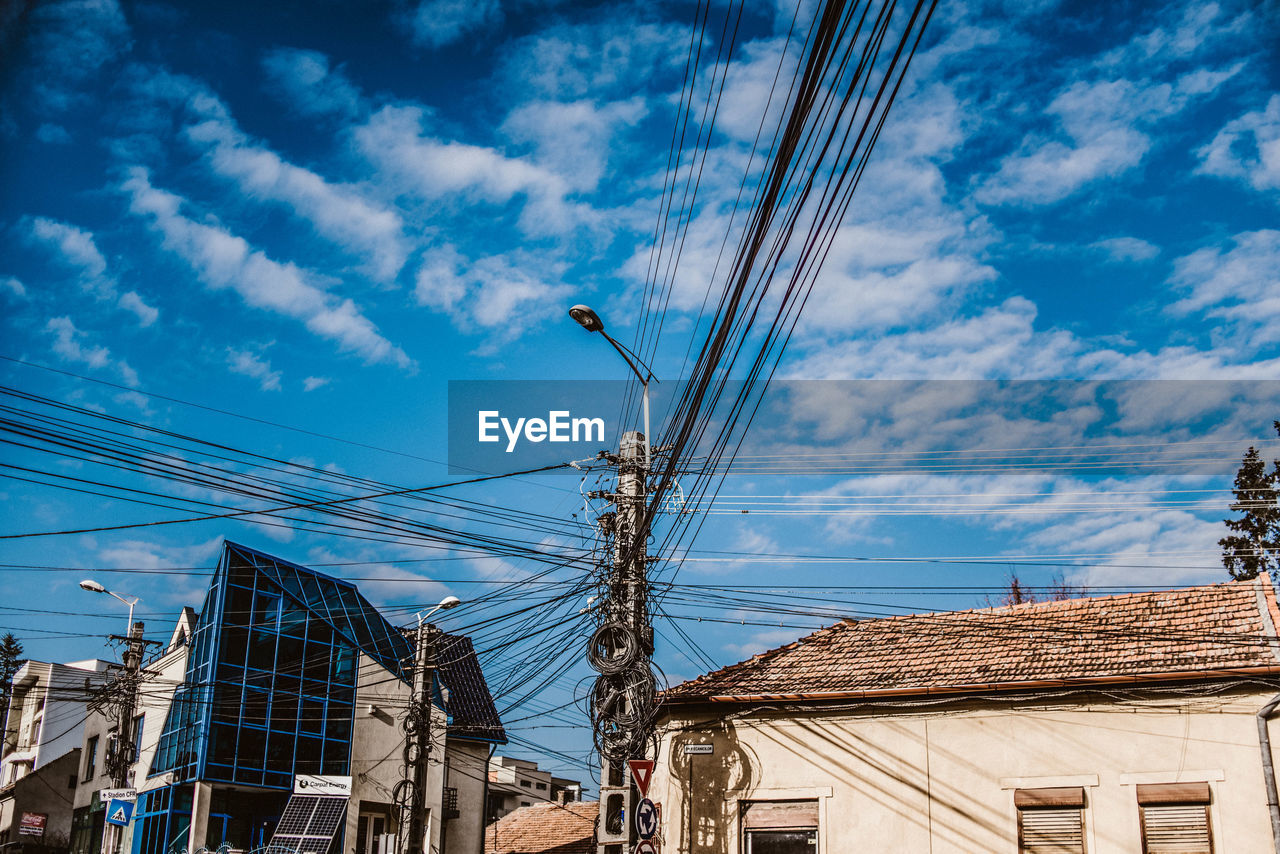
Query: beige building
{"type": "Point", "coordinates": [1109, 725]}
{"type": "Point", "coordinates": [516, 783]}
{"type": "Point", "coordinates": [41, 749]}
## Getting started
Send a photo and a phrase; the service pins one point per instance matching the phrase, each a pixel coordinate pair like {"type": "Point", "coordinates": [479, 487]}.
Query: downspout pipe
{"type": "Point", "coordinates": [1268, 767]}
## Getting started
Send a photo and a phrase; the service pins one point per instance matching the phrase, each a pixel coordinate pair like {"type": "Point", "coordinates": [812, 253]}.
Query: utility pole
{"type": "Point", "coordinates": [410, 793]}
{"type": "Point", "coordinates": [621, 649]}
{"type": "Point", "coordinates": [121, 697]}
{"type": "Point", "coordinates": [123, 748]}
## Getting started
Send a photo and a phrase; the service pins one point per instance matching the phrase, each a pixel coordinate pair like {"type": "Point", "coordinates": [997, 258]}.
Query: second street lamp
{"type": "Point", "coordinates": [591, 322]}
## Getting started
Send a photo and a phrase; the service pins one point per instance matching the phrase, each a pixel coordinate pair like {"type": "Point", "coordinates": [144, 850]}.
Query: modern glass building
{"type": "Point", "coordinates": [270, 693]}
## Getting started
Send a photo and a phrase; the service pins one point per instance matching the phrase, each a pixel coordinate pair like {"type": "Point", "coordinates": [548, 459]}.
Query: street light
{"type": "Point", "coordinates": [445, 604]}
{"type": "Point", "coordinates": [94, 587]}
{"type": "Point", "coordinates": [590, 321]}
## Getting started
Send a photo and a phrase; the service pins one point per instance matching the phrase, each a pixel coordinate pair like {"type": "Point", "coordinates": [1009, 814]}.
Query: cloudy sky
{"type": "Point", "coordinates": [317, 214]}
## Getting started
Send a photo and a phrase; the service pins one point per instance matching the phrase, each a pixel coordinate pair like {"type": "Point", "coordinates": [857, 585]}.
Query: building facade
{"type": "Point", "coordinates": [516, 783]}
{"type": "Point", "coordinates": [43, 732]}
{"type": "Point", "coordinates": [288, 673]}
{"type": "Point", "coordinates": [1108, 725]}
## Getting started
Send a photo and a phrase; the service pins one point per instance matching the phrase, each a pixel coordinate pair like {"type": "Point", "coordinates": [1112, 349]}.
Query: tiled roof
{"type": "Point", "coordinates": [472, 713]}
{"type": "Point", "coordinates": [1188, 632]}
{"type": "Point", "coordinates": [545, 828]}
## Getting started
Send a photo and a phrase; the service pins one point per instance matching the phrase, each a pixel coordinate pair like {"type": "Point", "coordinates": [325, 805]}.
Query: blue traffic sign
{"type": "Point", "coordinates": [646, 819]}
{"type": "Point", "coordinates": [119, 812]}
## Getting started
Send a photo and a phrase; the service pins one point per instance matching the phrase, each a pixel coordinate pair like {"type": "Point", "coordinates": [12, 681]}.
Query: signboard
{"type": "Point", "coordinates": [646, 846]}
{"type": "Point", "coordinates": [32, 824]}
{"type": "Point", "coordinates": [646, 819]}
{"type": "Point", "coordinates": [642, 773]}
{"type": "Point", "coordinates": [119, 812]}
{"type": "Point", "coordinates": [310, 784]}
{"type": "Point", "coordinates": [106, 795]}
{"type": "Point", "coordinates": [699, 749]}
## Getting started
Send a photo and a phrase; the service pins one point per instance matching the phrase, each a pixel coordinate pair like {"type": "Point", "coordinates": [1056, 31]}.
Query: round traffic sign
{"type": "Point", "coordinates": [646, 819]}
{"type": "Point", "coordinates": [645, 847]}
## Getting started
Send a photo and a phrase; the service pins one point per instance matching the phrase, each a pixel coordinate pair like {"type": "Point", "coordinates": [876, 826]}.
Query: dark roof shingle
{"type": "Point", "coordinates": [1185, 632]}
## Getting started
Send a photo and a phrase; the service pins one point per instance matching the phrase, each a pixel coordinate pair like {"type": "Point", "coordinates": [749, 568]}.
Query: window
{"type": "Point", "coordinates": [525, 783]}
{"type": "Point", "coordinates": [137, 736]}
{"type": "Point", "coordinates": [1175, 818]}
{"type": "Point", "coordinates": [542, 786]}
{"type": "Point", "coordinates": [91, 759]}
{"type": "Point", "coordinates": [1050, 821]}
{"type": "Point", "coordinates": [780, 827]}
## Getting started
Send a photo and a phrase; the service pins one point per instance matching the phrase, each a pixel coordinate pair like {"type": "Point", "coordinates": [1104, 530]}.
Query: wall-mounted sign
{"type": "Point", "coordinates": [699, 749]}
{"type": "Point", "coordinates": [311, 784]}
{"type": "Point", "coordinates": [32, 824]}
{"type": "Point", "coordinates": [106, 795]}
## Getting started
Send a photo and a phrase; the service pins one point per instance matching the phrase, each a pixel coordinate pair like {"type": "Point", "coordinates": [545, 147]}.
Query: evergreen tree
{"type": "Point", "coordinates": [10, 660]}
{"type": "Point", "coordinates": [1254, 544]}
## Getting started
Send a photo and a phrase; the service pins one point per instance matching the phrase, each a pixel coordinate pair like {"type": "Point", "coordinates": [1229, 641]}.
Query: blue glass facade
{"type": "Point", "coordinates": [269, 689]}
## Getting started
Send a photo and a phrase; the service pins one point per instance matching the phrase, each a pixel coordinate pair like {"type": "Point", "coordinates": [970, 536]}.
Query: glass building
{"type": "Point", "coordinates": [269, 693]}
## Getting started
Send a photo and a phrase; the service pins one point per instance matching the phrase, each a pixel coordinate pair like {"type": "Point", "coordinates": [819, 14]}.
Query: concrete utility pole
{"type": "Point", "coordinates": [124, 747]}
{"type": "Point", "coordinates": [121, 696]}
{"type": "Point", "coordinates": [410, 794]}
{"type": "Point", "coordinates": [625, 689]}
{"type": "Point", "coordinates": [621, 649]}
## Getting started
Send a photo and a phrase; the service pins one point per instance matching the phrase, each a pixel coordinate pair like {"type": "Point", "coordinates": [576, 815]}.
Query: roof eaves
{"type": "Point", "coordinates": [979, 687]}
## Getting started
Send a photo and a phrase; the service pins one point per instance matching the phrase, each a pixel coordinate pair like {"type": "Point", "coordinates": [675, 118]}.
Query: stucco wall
{"type": "Point", "coordinates": [377, 744]}
{"type": "Point", "coordinates": [467, 769]}
{"type": "Point", "coordinates": [941, 779]}
{"type": "Point", "coordinates": [43, 791]}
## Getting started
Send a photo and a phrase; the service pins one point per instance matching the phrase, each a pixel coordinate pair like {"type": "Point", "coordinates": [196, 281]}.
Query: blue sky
{"type": "Point", "coordinates": [318, 214]}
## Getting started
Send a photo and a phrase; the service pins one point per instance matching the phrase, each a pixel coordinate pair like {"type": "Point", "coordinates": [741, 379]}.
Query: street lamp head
{"type": "Point", "coordinates": [92, 586]}
{"type": "Point", "coordinates": [587, 318]}
{"type": "Point", "coordinates": [449, 602]}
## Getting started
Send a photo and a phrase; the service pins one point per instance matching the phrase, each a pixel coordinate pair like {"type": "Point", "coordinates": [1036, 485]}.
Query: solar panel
{"type": "Point", "coordinates": [308, 825]}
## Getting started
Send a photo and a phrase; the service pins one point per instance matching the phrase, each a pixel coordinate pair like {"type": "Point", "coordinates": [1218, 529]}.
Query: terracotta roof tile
{"type": "Point", "coordinates": [1185, 631]}
{"type": "Point", "coordinates": [545, 828]}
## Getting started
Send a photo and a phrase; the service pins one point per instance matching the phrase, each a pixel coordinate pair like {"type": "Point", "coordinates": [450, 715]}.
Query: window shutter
{"type": "Point", "coordinates": [1175, 818]}
{"type": "Point", "coordinates": [1050, 821]}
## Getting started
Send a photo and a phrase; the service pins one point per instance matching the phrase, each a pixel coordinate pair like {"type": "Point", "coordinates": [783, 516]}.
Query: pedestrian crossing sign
{"type": "Point", "coordinates": [119, 812]}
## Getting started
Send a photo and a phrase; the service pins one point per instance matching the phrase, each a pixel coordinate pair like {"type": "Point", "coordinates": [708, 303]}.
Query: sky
{"type": "Point", "coordinates": [306, 219]}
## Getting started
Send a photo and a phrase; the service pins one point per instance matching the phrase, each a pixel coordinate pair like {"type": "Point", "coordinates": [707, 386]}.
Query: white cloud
{"type": "Point", "coordinates": [73, 41]}
{"type": "Point", "coordinates": [600, 61]}
{"type": "Point", "coordinates": [1240, 284]}
{"type": "Point", "coordinates": [313, 383]}
{"type": "Point", "coordinates": [338, 213]}
{"type": "Point", "coordinates": [1247, 148]}
{"type": "Point", "coordinates": [436, 23]}
{"type": "Point", "coordinates": [393, 141]}
{"type": "Point", "coordinates": [74, 346]}
{"type": "Point", "coordinates": [305, 82]}
{"type": "Point", "coordinates": [1105, 132]}
{"type": "Point", "coordinates": [1127, 249]}
{"type": "Point", "coordinates": [13, 286]}
{"type": "Point", "coordinates": [496, 293]}
{"type": "Point", "coordinates": [573, 139]}
{"type": "Point", "coordinates": [147, 315]}
{"type": "Point", "coordinates": [1002, 342]}
{"type": "Point", "coordinates": [248, 364]}
{"type": "Point", "coordinates": [223, 260]}
{"type": "Point", "coordinates": [78, 249]}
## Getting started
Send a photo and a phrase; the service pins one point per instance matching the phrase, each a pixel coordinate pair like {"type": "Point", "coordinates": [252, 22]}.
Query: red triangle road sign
{"type": "Point", "coordinates": [642, 773]}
